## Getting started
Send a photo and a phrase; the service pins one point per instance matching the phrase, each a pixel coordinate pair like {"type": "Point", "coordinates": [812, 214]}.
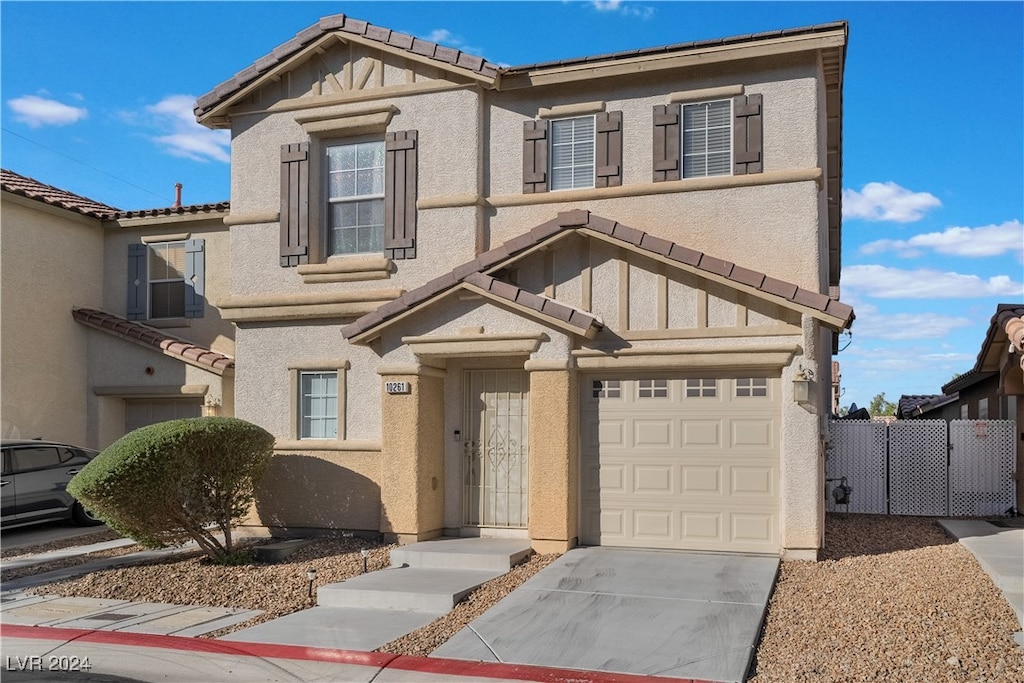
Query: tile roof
{"type": "Point", "coordinates": [213, 207]}
{"type": "Point", "coordinates": [15, 183]}
{"type": "Point", "coordinates": [638, 240]}
{"type": "Point", "coordinates": [682, 47]}
{"type": "Point", "coordinates": [176, 347]}
{"type": "Point", "coordinates": [1006, 326]}
{"type": "Point", "coordinates": [339, 23]}
{"type": "Point", "coordinates": [580, 320]}
{"type": "Point", "coordinates": [911, 404]}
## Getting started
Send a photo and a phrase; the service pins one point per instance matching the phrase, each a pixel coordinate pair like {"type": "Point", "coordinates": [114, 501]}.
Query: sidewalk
{"type": "Point", "coordinates": [1000, 552]}
{"type": "Point", "coordinates": [140, 657]}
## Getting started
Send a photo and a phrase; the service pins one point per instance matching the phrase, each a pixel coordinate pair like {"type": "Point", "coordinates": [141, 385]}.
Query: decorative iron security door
{"type": "Point", "coordinates": [496, 448]}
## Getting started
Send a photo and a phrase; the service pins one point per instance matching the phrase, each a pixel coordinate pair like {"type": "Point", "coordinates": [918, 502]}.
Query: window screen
{"type": "Point", "coordinates": [355, 175]}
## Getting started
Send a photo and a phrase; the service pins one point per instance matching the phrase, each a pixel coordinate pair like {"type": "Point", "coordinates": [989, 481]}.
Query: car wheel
{"type": "Point", "coordinates": [83, 517]}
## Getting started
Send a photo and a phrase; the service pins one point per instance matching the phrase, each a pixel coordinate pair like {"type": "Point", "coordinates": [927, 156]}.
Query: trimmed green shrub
{"type": "Point", "coordinates": [176, 481]}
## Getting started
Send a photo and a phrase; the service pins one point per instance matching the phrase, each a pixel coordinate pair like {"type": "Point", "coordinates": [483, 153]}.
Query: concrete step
{"type": "Point", "coordinates": [405, 588]}
{"type": "Point", "coordinates": [486, 554]}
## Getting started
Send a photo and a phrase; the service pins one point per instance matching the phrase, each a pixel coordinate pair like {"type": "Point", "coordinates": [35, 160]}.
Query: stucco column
{"type": "Point", "coordinates": [412, 453]}
{"type": "Point", "coordinates": [554, 456]}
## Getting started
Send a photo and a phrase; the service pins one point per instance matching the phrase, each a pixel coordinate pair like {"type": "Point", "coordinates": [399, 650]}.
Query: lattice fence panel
{"type": "Point", "coordinates": [857, 452]}
{"type": "Point", "coordinates": [981, 467]}
{"type": "Point", "coordinates": [918, 468]}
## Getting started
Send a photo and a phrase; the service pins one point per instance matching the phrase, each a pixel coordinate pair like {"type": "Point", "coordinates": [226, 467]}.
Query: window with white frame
{"type": "Point", "coordinates": [652, 388]}
{"type": "Point", "coordinates": [607, 388]}
{"type": "Point", "coordinates": [752, 386]}
{"type": "Point", "coordinates": [572, 153]}
{"type": "Point", "coordinates": [707, 139]}
{"type": "Point", "coordinates": [355, 211]}
{"type": "Point", "coordinates": [701, 388]}
{"type": "Point", "coordinates": [318, 405]}
{"type": "Point", "coordinates": [167, 280]}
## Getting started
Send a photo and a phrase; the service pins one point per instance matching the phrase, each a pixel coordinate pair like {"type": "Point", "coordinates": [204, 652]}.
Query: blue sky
{"type": "Point", "coordinates": [97, 99]}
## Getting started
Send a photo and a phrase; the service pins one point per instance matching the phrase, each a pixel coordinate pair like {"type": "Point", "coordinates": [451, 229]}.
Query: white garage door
{"type": "Point", "coordinates": [139, 412]}
{"type": "Point", "coordinates": [684, 463]}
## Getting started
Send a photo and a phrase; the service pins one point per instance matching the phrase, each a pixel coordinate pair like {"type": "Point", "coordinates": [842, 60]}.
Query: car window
{"type": "Point", "coordinates": [35, 457]}
{"type": "Point", "coordinates": [67, 453]}
{"type": "Point", "coordinates": [6, 463]}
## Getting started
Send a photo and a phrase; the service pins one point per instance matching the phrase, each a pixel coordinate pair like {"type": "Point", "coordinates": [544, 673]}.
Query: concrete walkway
{"type": "Point", "coordinates": [648, 612]}
{"type": "Point", "coordinates": [1000, 552]}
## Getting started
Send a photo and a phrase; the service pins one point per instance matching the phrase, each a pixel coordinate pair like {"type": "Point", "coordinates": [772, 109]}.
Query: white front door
{"type": "Point", "coordinates": [496, 462]}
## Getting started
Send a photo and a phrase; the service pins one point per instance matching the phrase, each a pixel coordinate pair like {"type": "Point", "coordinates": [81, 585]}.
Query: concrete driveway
{"type": "Point", "coordinates": [651, 612]}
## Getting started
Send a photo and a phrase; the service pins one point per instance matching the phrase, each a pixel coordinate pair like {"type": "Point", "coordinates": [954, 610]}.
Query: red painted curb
{"type": "Point", "coordinates": [380, 660]}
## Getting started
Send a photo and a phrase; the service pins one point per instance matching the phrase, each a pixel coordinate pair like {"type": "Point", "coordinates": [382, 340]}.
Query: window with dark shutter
{"type": "Point", "coordinates": [138, 281]}
{"type": "Point", "coordinates": [294, 204]}
{"type": "Point", "coordinates": [667, 143]}
{"type": "Point", "coordinates": [400, 176]}
{"type": "Point", "coordinates": [195, 278]}
{"type": "Point", "coordinates": [535, 156]}
{"type": "Point", "coordinates": [746, 134]}
{"type": "Point", "coordinates": [608, 153]}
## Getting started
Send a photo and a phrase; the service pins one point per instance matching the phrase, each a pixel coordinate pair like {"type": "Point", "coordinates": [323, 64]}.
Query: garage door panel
{"type": "Point", "coordinates": [702, 479]}
{"type": "Point", "coordinates": [652, 434]}
{"type": "Point", "coordinates": [653, 479]}
{"type": "Point", "coordinates": [701, 432]}
{"type": "Point", "coordinates": [752, 480]}
{"type": "Point", "coordinates": [677, 471]}
{"type": "Point", "coordinates": [747, 433]}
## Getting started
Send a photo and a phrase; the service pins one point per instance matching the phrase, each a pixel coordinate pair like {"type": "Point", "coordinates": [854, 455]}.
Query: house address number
{"type": "Point", "coordinates": [397, 387]}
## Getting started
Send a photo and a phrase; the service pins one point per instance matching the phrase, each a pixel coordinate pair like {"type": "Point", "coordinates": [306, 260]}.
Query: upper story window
{"type": "Point", "coordinates": [366, 204]}
{"type": "Point", "coordinates": [716, 137]}
{"type": "Point", "coordinates": [355, 211]}
{"type": "Point", "coordinates": [572, 153]}
{"type": "Point", "coordinates": [707, 139]}
{"type": "Point", "coordinates": [166, 280]}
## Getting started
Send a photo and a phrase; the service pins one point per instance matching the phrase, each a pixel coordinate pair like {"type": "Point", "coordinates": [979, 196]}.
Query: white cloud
{"type": "Point", "coordinates": [899, 326]}
{"type": "Point", "coordinates": [893, 283]}
{"type": "Point", "coordinates": [443, 36]}
{"type": "Point", "coordinates": [38, 111]}
{"type": "Point", "coordinates": [186, 138]}
{"type": "Point", "coordinates": [988, 240]}
{"type": "Point", "coordinates": [887, 202]}
{"type": "Point", "coordinates": [630, 10]}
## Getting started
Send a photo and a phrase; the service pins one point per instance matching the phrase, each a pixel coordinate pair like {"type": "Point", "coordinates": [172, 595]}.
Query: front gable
{"type": "Point", "coordinates": [599, 279]}
{"type": "Point", "coordinates": [337, 60]}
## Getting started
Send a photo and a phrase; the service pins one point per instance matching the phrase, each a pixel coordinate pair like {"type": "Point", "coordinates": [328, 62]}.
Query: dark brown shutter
{"type": "Point", "coordinates": [138, 282]}
{"type": "Point", "coordinates": [746, 131]}
{"type": "Point", "coordinates": [294, 204]}
{"type": "Point", "coordinates": [535, 156]}
{"type": "Point", "coordinates": [400, 195]}
{"type": "Point", "coordinates": [666, 142]}
{"type": "Point", "coordinates": [608, 153]}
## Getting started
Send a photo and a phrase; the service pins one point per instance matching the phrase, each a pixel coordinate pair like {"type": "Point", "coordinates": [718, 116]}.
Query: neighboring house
{"type": "Point", "coordinates": [576, 301]}
{"type": "Point", "coordinates": [991, 390]}
{"type": "Point", "coordinates": [112, 330]}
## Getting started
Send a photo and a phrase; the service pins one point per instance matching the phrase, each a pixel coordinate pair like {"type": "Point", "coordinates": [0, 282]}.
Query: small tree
{"type": "Point", "coordinates": [173, 481]}
{"type": "Point", "coordinates": [879, 407]}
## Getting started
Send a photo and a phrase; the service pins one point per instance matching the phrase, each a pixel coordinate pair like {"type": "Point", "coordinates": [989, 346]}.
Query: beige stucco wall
{"type": "Point", "coordinates": [554, 460]}
{"type": "Point", "coordinates": [44, 351]}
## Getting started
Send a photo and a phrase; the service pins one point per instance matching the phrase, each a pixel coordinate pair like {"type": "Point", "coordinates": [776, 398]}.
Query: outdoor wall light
{"type": "Point", "coordinates": [311, 577]}
{"type": "Point", "coordinates": [365, 553]}
{"type": "Point", "coordinates": [802, 387]}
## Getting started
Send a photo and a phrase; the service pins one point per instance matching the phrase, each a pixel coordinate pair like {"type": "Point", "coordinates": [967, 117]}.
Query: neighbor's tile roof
{"type": "Point", "coordinates": [339, 22]}
{"type": "Point", "coordinates": [150, 336]}
{"type": "Point", "coordinates": [921, 403]}
{"type": "Point", "coordinates": [212, 207]}
{"type": "Point", "coordinates": [15, 183]}
{"type": "Point", "coordinates": [1008, 321]}
{"type": "Point", "coordinates": [585, 220]}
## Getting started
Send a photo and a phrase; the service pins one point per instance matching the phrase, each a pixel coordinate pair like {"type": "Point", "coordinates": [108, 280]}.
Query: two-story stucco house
{"type": "Point", "coordinates": [590, 301]}
{"type": "Point", "coordinates": [107, 316]}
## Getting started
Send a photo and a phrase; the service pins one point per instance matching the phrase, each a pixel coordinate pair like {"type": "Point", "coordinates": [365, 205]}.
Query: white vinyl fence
{"type": "Point", "coordinates": [922, 467]}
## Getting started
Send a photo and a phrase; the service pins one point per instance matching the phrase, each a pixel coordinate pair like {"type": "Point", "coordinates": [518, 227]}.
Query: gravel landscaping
{"type": "Point", "coordinates": [894, 599]}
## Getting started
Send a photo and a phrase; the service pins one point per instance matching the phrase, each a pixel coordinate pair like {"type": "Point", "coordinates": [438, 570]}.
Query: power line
{"type": "Point", "coordinates": [78, 161]}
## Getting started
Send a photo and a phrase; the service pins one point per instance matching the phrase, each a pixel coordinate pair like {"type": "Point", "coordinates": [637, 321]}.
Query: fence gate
{"type": "Point", "coordinates": [923, 467]}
